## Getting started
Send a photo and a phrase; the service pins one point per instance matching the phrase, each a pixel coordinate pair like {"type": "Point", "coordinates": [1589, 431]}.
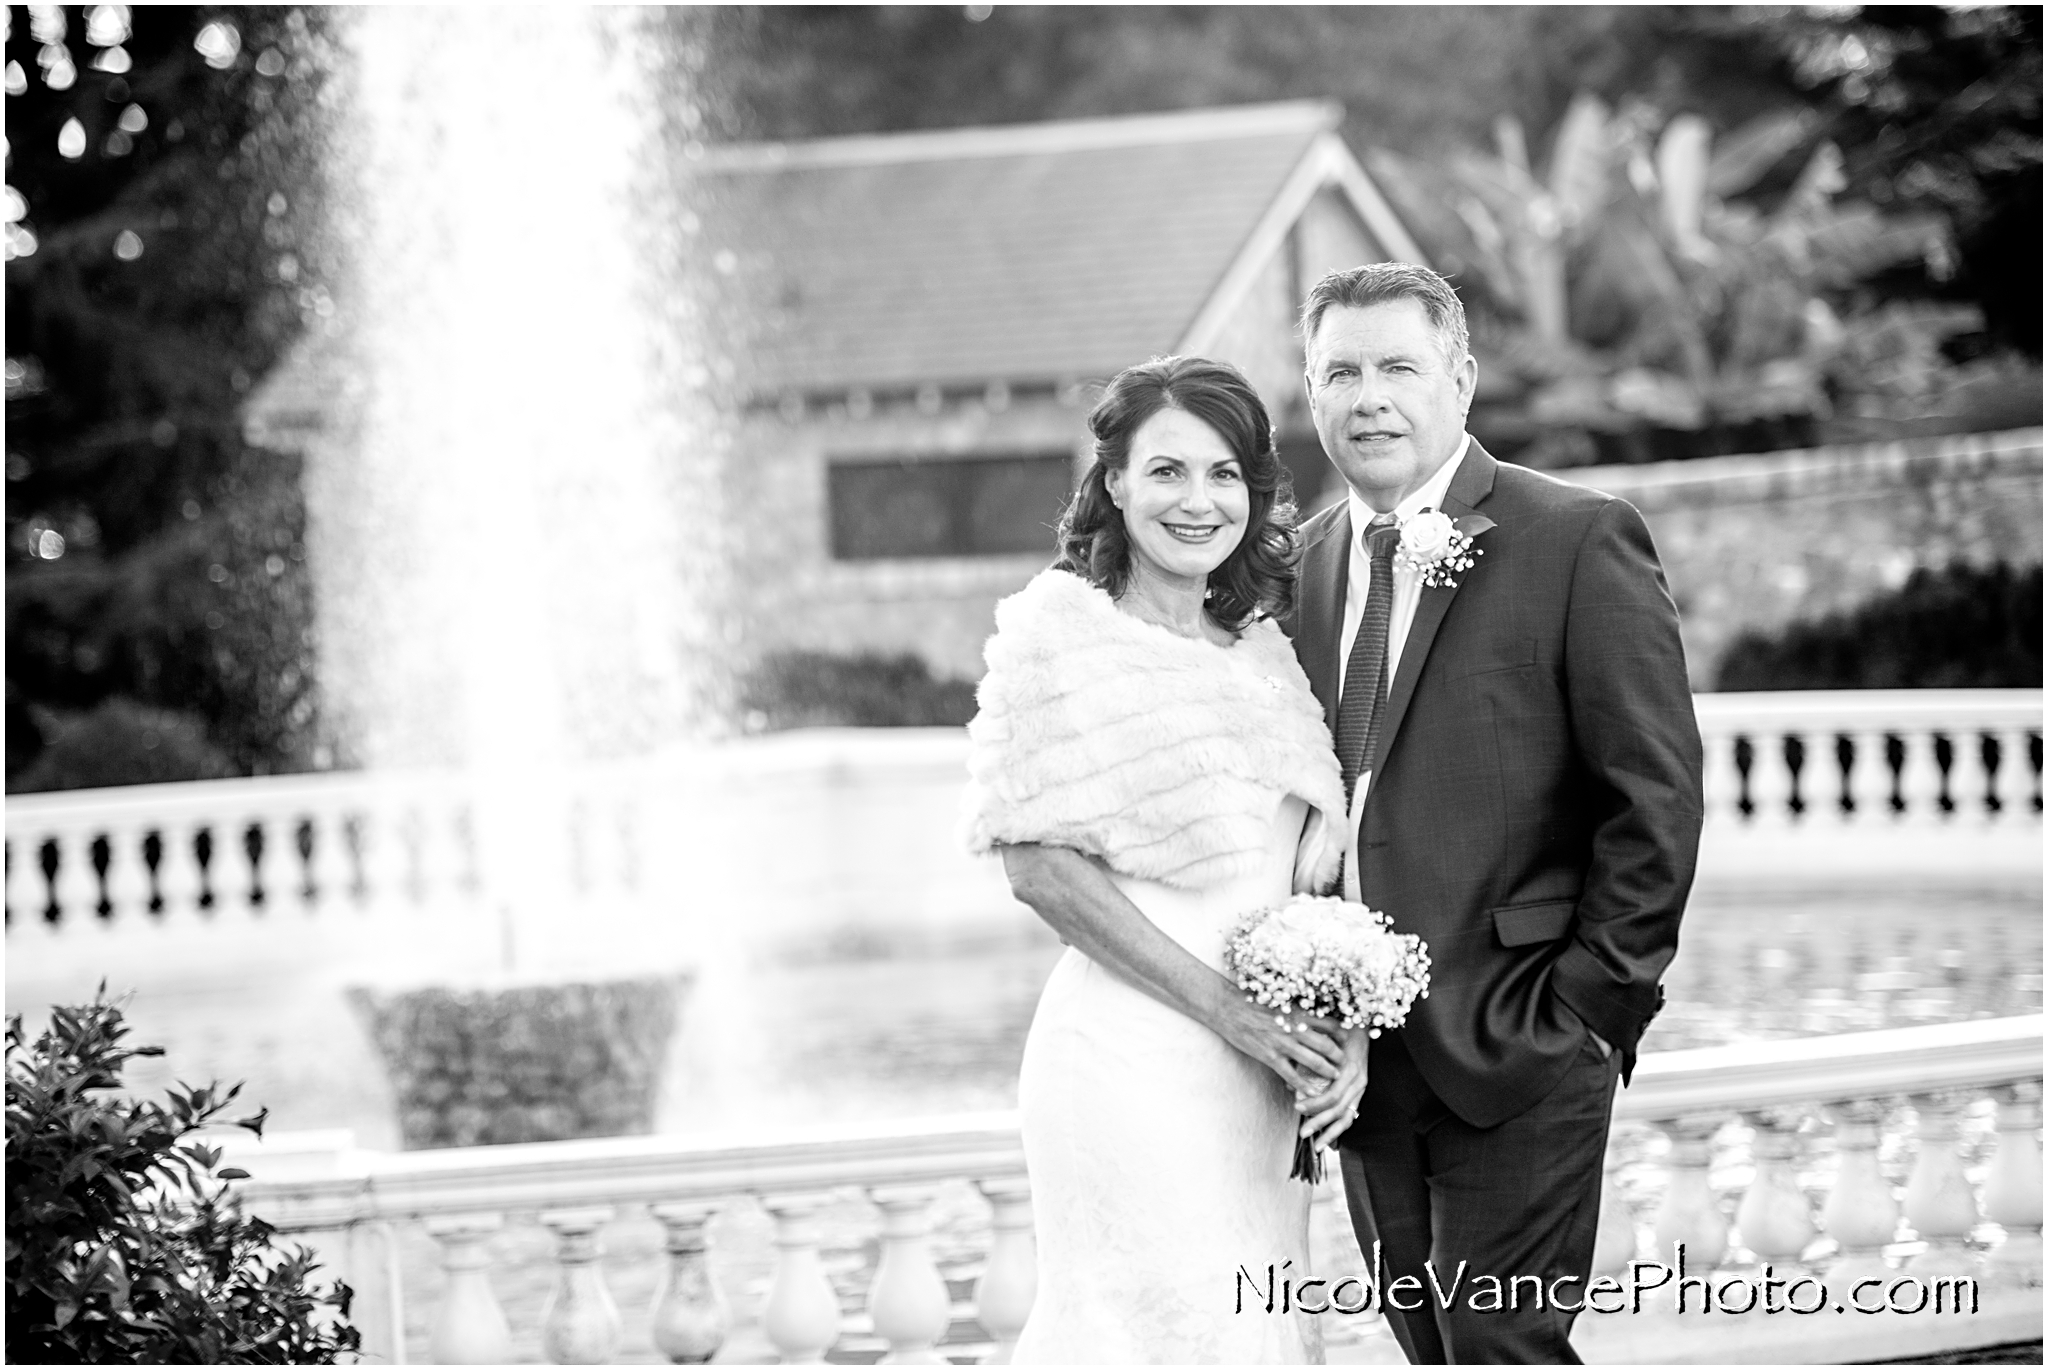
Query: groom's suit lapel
{"type": "Point", "coordinates": [1468, 489]}
{"type": "Point", "coordinates": [1325, 572]}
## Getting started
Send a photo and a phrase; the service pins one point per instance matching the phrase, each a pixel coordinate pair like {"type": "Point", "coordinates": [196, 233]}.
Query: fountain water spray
{"type": "Point", "coordinates": [518, 535]}
{"type": "Point", "coordinates": [517, 530]}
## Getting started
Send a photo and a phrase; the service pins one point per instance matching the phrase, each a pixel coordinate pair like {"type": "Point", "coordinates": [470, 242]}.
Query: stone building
{"type": "Point", "coordinates": [927, 313]}
{"type": "Point", "coordinates": [914, 324]}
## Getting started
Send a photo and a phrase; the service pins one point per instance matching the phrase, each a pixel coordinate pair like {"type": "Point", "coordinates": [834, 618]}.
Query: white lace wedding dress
{"type": "Point", "coordinates": [1159, 1157]}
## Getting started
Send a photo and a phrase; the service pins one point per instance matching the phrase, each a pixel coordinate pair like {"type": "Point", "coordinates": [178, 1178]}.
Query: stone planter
{"type": "Point", "coordinates": [489, 1064]}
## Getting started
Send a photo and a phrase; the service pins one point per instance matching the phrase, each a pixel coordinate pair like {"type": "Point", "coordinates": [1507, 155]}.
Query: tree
{"type": "Point", "coordinates": [1936, 109]}
{"type": "Point", "coordinates": [1933, 112]}
{"type": "Point", "coordinates": [159, 174]}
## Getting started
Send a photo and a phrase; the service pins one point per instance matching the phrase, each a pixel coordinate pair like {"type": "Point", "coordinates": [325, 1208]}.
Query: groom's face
{"type": "Point", "coordinates": [1389, 406]}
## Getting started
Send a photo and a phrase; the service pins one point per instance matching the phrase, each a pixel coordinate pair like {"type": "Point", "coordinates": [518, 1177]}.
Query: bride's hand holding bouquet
{"type": "Point", "coordinates": [1321, 957]}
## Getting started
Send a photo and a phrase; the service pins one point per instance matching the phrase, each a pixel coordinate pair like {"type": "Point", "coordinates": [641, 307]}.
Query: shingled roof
{"type": "Point", "coordinates": [1033, 253]}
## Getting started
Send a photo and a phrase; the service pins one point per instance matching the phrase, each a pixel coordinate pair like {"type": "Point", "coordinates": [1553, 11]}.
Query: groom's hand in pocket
{"type": "Point", "coordinates": [1326, 1114]}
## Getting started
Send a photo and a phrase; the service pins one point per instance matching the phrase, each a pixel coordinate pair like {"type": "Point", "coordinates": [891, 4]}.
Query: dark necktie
{"type": "Point", "coordinates": [1365, 683]}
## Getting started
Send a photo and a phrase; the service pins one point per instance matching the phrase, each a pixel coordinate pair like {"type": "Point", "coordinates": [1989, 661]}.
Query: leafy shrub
{"type": "Point", "coordinates": [124, 1243]}
{"type": "Point", "coordinates": [121, 742]}
{"type": "Point", "coordinates": [819, 690]}
{"type": "Point", "coordinates": [1962, 627]}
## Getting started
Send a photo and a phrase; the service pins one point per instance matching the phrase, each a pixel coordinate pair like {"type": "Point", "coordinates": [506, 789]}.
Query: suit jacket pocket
{"type": "Point", "coordinates": [1522, 925]}
{"type": "Point", "coordinates": [1512, 655]}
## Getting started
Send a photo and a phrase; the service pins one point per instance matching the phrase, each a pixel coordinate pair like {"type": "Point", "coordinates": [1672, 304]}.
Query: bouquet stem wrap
{"type": "Point", "coordinates": [1333, 959]}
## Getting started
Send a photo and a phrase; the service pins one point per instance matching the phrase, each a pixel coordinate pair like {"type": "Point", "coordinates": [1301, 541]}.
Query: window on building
{"type": "Point", "coordinates": [977, 506]}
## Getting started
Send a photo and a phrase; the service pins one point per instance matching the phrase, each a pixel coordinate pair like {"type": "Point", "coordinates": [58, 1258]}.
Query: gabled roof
{"type": "Point", "coordinates": [1038, 252]}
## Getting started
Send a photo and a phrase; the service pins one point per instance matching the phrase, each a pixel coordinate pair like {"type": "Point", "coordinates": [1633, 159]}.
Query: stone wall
{"type": "Point", "coordinates": [1748, 542]}
{"type": "Point", "coordinates": [1756, 542]}
{"type": "Point", "coordinates": [795, 595]}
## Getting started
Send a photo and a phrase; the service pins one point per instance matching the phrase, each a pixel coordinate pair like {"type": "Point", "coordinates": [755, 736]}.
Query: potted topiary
{"type": "Point", "coordinates": [485, 1063]}
{"type": "Point", "coordinates": [124, 1240]}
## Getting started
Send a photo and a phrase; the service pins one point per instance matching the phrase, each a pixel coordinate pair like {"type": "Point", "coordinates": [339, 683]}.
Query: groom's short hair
{"type": "Point", "coordinates": [1382, 283]}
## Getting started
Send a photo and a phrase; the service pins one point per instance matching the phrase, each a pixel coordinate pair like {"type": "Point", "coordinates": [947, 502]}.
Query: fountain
{"type": "Point", "coordinates": [515, 526]}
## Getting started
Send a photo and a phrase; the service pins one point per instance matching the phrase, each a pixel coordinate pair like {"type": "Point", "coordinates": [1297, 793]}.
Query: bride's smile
{"type": "Point", "coordinates": [1184, 499]}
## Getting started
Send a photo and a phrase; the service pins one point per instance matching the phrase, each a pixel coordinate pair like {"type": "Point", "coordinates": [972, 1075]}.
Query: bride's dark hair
{"type": "Point", "coordinates": [1257, 578]}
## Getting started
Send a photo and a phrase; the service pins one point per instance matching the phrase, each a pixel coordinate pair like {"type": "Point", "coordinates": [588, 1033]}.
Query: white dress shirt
{"type": "Point", "coordinates": [1407, 594]}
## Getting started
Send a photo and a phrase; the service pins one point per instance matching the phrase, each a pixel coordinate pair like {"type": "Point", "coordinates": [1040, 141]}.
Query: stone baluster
{"type": "Point", "coordinates": [362, 1253]}
{"type": "Point", "coordinates": [462, 832]}
{"type": "Point", "coordinates": [469, 1328]}
{"type": "Point", "coordinates": [591, 820]}
{"type": "Point", "coordinates": [1721, 782]}
{"type": "Point", "coordinates": [2013, 782]}
{"type": "Point", "coordinates": [179, 881]}
{"type": "Point", "coordinates": [1774, 1220]}
{"type": "Point", "coordinates": [1817, 781]}
{"type": "Point", "coordinates": [1688, 1212]}
{"type": "Point", "coordinates": [1825, 781]}
{"type": "Point", "coordinates": [1614, 1243]}
{"type": "Point", "coordinates": [274, 867]}
{"type": "Point", "coordinates": [1009, 1281]}
{"type": "Point", "coordinates": [1969, 782]}
{"type": "Point", "coordinates": [331, 865]}
{"type": "Point", "coordinates": [605, 840]}
{"type": "Point", "coordinates": [691, 1318]}
{"type": "Point", "coordinates": [1861, 1213]}
{"type": "Point", "coordinates": [801, 1319]}
{"type": "Point", "coordinates": [908, 1299]}
{"type": "Point", "coordinates": [577, 826]}
{"type": "Point", "coordinates": [439, 857]}
{"type": "Point", "coordinates": [302, 852]}
{"type": "Point", "coordinates": [1920, 778]}
{"type": "Point", "coordinates": [1939, 1201]}
{"type": "Point", "coordinates": [628, 808]}
{"type": "Point", "coordinates": [2012, 1186]}
{"type": "Point", "coordinates": [21, 887]}
{"type": "Point", "coordinates": [77, 884]}
{"type": "Point", "coordinates": [616, 851]}
{"type": "Point", "coordinates": [1869, 780]}
{"type": "Point", "coordinates": [127, 877]}
{"type": "Point", "coordinates": [229, 871]}
{"type": "Point", "coordinates": [1770, 779]}
{"type": "Point", "coordinates": [581, 1324]}
{"type": "Point", "coordinates": [385, 873]}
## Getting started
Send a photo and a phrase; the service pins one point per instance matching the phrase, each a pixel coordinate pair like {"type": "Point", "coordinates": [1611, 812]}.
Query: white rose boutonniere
{"type": "Point", "coordinates": [1440, 549]}
{"type": "Point", "coordinates": [1427, 536]}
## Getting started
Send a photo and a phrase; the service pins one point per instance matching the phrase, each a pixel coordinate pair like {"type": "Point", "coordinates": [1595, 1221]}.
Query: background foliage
{"type": "Point", "coordinates": [818, 690]}
{"type": "Point", "coordinates": [124, 1241]}
{"type": "Point", "coordinates": [161, 259]}
{"type": "Point", "coordinates": [1934, 108]}
{"type": "Point", "coordinates": [1959, 627]}
{"type": "Point", "coordinates": [158, 610]}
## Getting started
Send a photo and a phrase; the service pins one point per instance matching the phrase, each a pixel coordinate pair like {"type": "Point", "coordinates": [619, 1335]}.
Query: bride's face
{"type": "Point", "coordinates": [1183, 495]}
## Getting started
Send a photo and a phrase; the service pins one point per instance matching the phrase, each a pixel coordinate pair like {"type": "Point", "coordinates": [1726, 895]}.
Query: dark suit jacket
{"type": "Point", "coordinates": [1535, 804]}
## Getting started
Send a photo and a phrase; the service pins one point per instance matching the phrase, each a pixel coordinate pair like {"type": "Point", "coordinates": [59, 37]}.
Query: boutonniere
{"type": "Point", "coordinates": [1439, 548]}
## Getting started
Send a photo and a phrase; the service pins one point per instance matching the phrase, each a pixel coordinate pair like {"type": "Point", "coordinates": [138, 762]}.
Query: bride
{"type": "Point", "coordinates": [1151, 764]}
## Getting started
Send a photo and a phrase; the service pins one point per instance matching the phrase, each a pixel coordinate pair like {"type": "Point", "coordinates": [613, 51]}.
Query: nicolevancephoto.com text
{"type": "Point", "coordinates": [1720, 1291]}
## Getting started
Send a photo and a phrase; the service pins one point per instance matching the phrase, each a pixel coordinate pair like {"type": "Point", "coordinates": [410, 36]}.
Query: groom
{"type": "Point", "coordinates": [1519, 745]}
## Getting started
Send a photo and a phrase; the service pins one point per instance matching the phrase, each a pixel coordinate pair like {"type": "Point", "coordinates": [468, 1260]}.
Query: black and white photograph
{"type": "Point", "coordinates": [1042, 685]}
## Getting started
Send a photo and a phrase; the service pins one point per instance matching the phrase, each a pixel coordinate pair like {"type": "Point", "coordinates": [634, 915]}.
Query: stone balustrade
{"type": "Point", "coordinates": [1855, 781]}
{"type": "Point", "coordinates": [1909, 1154]}
{"type": "Point", "coordinates": [1853, 757]}
{"type": "Point", "coordinates": [288, 845]}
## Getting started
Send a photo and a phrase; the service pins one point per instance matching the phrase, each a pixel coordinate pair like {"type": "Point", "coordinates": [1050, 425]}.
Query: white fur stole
{"type": "Point", "coordinates": [1161, 755]}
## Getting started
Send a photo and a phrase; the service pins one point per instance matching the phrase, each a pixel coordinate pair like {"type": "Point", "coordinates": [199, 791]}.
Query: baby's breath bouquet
{"type": "Point", "coordinates": [1332, 958]}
